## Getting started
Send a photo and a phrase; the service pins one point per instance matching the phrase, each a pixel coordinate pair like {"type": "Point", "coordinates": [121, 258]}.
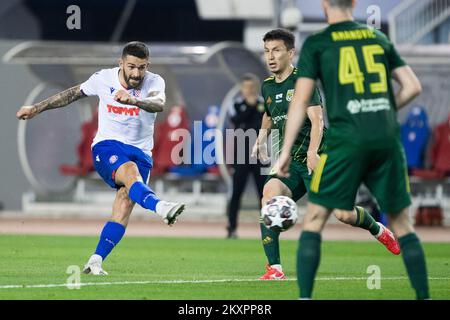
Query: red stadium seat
{"type": "Point", "coordinates": [432, 213]}
{"type": "Point", "coordinates": [85, 163]}
{"type": "Point", "coordinates": [165, 132]}
{"type": "Point", "coordinates": [440, 154]}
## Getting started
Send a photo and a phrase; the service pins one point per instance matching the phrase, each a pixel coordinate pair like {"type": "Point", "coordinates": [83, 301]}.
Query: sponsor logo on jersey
{"type": "Point", "coordinates": [289, 94]}
{"type": "Point", "coordinates": [279, 98]}
{"type": "Point", "coordinates": [279, 118]}
{"type": "Point", "coordinates": [371, 105]}
{"type": "Point", "coordinates": [123, 110]}
{"type": "Point", "coordinates": [113, 159]}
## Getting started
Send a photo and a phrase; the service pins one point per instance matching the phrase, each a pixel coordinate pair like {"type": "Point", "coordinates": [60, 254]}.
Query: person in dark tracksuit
{"type": "Point", "coordinates": [246, 114]}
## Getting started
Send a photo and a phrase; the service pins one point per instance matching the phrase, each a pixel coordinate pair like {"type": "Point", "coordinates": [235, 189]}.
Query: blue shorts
{"type": "Point", "coordinates": [109, 155]}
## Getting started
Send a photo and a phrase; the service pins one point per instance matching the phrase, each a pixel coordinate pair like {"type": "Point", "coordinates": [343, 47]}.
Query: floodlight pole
{"type": "Point", "coordinates": [125, 16]}
{"type": "Point", "coordinates": [276, 13]}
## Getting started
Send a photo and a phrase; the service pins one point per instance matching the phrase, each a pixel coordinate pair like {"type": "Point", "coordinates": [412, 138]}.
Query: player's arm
{"type": "Point", "coordinates": [266, 126]}
{"type": "Point", "coordinates": [153, 103]}
{"type": "Point", "coordinates": [59, 100]}
{"type": "Point", "coordinates": [315, 115]}
{"type": "Point", "coordinates": [304, 89]}
{"type": "Point", "coordinates": [410, 86]}
{"type": "Point", "coordinates": [260, 148]}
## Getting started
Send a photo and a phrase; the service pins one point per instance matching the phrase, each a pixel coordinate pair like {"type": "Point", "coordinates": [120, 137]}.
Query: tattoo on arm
{"type": "Point", "coordinates": [149, 104]}
{"type": "Point", "coordinates": [61, 99]}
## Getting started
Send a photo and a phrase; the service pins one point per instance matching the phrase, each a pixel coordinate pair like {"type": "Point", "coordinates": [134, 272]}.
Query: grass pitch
{"type": "Point", "coordinates": [34, 267]}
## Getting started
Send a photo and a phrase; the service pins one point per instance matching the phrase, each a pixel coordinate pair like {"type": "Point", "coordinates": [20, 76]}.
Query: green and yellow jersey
{"type": "Point", "coordinates": [354, 64]}
{"type": "Point", "coordinates": [277, 97]}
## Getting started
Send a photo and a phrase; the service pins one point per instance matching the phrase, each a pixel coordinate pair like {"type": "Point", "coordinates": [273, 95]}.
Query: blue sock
{"type": "Point", "coordinates": [109, 238]}
{"type": "Point", "coordinates": [142, 194]}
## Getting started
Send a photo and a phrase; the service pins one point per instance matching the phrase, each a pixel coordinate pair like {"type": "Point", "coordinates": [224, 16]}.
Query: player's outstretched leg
{"type": "Point", "coordinates": [412, 253]}
{"type": "Point", "coordinates": [146, 198]}
{"type": "Point", "coordinates": [129, 176]}
{"type": "Point", "coordinates": [361, 218]}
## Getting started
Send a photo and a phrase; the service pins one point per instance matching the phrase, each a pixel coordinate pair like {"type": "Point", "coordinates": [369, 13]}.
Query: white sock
{"type": "Point", "coordinates": [96, 257]}
{"type": "Point", "coordinates": [160, 202]}
{"type": "Point", "coordinates": [277, 266]}
{"type": "Point", "coordinates": [379, 232]}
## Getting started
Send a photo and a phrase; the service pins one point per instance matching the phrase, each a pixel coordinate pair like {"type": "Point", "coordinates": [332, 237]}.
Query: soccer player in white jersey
{"type": "Point", "coordinates": [130, 96]}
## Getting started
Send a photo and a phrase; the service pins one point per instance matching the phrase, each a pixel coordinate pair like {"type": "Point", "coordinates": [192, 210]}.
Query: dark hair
{"type": "Point", "coordinates": [344, 4]}
{"type": "Point", "coordinates": [136, 49]}
{"type": "Point", "coordinates": [281, 34]}
{"type": "Point", "coordinates": [250, 77]}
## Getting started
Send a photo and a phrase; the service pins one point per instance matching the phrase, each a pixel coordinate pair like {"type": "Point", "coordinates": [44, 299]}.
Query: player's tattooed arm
{"type": "Point", "coordinates": [58, 100]}
{"type": "Point", "coordinates": [150, 104]}
{"type": "Point", "coordinates": [153, 103]}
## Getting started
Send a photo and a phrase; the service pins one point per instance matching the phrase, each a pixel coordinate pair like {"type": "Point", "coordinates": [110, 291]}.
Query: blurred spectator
{"type": "Point", "coordinates": [415, 133]}
{"type": "Point", "coordinates": [246, 114]}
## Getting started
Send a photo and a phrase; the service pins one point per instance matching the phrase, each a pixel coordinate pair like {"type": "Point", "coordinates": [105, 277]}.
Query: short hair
{"type": "Point", "coordinates": [281, 34]}
{"type": "Point", "coordinates": [344, 4]}
{"type": "Point", "coordinates": [136, 49]}
{"type": "Point", "coordinates": [250, 77]}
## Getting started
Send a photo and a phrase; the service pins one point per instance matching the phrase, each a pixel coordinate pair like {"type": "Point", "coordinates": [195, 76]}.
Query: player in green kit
{"type": "Point", "coordinates": [277, 92]}
{"type": "Point", "coordinates": [355, 65]}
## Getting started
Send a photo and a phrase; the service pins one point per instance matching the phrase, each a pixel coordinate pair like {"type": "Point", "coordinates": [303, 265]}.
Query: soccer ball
{"type": "Point", "coordinates": [279, 213]}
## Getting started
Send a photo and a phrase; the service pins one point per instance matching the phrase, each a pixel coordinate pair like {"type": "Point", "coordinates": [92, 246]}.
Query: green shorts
{"type": "Point", "coordinates": [298, 181]}
{"type": "Point", "coordinates": [341, 170]}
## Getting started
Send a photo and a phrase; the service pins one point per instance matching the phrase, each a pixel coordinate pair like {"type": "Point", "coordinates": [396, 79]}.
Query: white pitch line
{"type": "Point", "coordinates": [86, 284]}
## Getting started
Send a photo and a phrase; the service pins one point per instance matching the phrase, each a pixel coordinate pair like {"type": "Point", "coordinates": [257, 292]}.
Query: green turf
{"type": "Point", "coordinates": [33, 260]}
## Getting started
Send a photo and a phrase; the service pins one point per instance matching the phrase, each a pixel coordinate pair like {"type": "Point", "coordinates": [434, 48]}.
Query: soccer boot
{"type": "Point", "coordinates": [272, 274]}
{"type": "Point", "coordinates": [94, 266]}
{"type": "Point", "coordinates": [169, 211]}
{"type": "Point", "coordinates": [387, 238]}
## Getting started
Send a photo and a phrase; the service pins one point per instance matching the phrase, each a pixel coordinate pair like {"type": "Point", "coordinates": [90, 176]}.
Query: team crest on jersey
{"type": "Point", "coordinates": [269, 100]}
{"type": "Point", "coordinates": [113, 159]}
{"type": "Point", "coordinates": [111, 89]}
{"type": "Point", "coordinates": [137, 93]}
{"type": "Point", "coordinates": [289, 95]}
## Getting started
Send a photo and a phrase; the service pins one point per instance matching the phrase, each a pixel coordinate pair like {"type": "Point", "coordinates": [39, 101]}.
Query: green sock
{"type": "Point", "coordinates": [308, 259]}
{"type": "Point", "coordinates": [414, 260]}
{"type": "Point", "coordinates": [270, 240]}
{"type": "Point", "coordinates": [365, 220]}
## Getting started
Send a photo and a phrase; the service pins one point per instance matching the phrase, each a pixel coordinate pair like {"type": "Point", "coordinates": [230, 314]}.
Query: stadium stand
{"type": "Point", "coordinates": [415, 133]}
{"type": "Point", "coordinates": [430, 211]}
{"type": "Point", "coordinates": [85, 165]}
